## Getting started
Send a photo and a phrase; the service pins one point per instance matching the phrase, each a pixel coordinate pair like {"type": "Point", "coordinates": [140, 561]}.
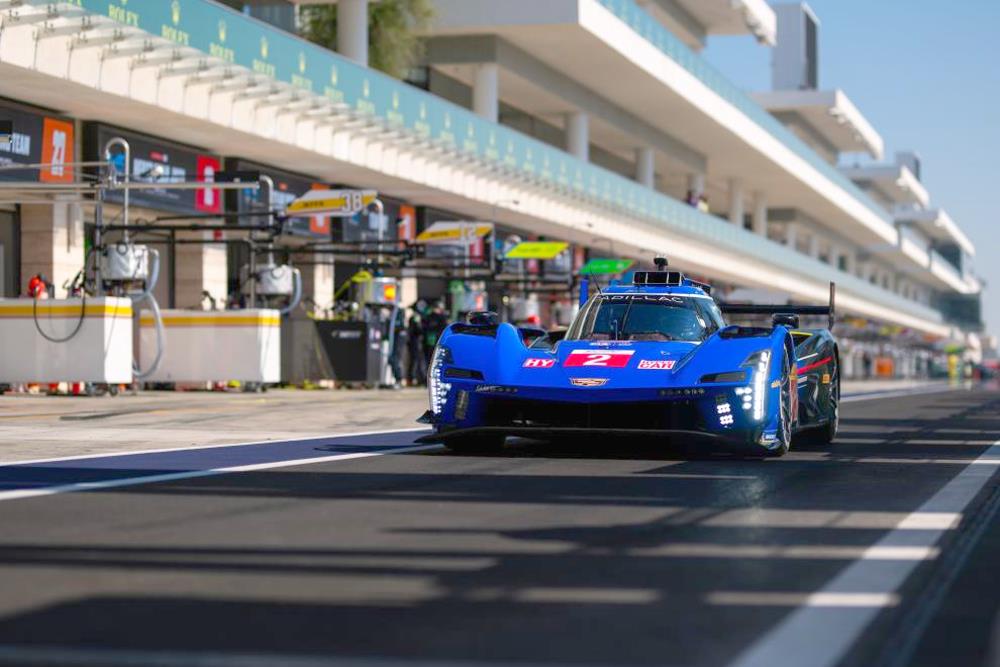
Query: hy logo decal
{"type": "Point", "coordinates": [538, 363]}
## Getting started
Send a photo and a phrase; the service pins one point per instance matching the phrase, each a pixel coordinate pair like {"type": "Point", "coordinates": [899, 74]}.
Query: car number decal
{"type": "Point", "coordinates": [538, 363]}
{"type": "Point", "coordinates": [656, 364]}
{"type": "Point", "coordinates": [605, 358]}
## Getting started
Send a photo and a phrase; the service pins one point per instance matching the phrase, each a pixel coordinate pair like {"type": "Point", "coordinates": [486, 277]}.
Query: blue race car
{"type": "Point", "coordinates": [653, 358]}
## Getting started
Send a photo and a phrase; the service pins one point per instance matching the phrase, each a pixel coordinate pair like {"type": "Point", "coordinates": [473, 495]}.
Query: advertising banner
{"type": "Point", "coordinates": [36, 138]}
{"type": "Point", "coordinates": [161, 162]}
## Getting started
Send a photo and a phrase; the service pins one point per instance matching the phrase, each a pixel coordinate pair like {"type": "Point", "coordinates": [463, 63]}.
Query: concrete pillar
{"type": "Point", "coordinates": [578, 135]}
{"type": "Point", "coordinates": [736, 204]}
{"type": "Point", "coordinates": [814, 246]}
{"type": "Point", "coordinates": [792, 235]}
{"type": "Point", "coordinates": [696, 183]}
{"type": "Point", "coordinates": [352, 30]}
{"type": "Point", "coordinates": [486, 92]}
{"type": "Point", "coordinates": [51, 243]}
{"type": "Point", "coordinates": [317, 280]}
{"type": "Point", "coordinates": [868, 271]}
{"type": "Point", "coordinates": [198, 268]}
{"type": "Point", "coordinates": [852, 263]}
{"type": "Point", "coordinates": [760, 214]}
{"type": "Point", "coordinates": [645, 167]}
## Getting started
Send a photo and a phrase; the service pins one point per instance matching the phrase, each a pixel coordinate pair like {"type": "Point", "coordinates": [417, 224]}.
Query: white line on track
{"type": "Point", "coordinates": [196, 448]}
{"type": "Point", "coordinates": [896, 393]}
{"type": "Point", "coordinates": [815, 636]}
{"type": "Point", "coordinates": [82, 656]}
{"type": "Point", "coordinates": [18, 494]}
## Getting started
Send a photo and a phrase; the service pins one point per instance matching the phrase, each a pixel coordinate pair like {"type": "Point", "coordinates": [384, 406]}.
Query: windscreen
{"type": "Point", "coordinates": [643, 317]}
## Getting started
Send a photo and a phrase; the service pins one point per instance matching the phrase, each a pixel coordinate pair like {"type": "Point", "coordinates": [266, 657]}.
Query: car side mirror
{"type": "Point", "coordinates": [483, 318]}
{"type": "Point", "coordinates": [785, 319]}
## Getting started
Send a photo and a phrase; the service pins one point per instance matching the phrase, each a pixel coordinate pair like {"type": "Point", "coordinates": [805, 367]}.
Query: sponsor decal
{"type": "Point", "coordinates": [495, 389]}
{"type": "Point", "coordinates": [57, 151]}
{"type": "Point", "coordinates": [208, 200]}
{"type": "Point", "coordinates": [588, 382]}
{"type": "Point", "coordinates": [826, 378]}
{"type": "Point", "coordinates": [538, 363]}
{"type": "Point", "coordinates": [656, 364]}
{"type": "Point", "coordinates": [815, 365]}
{"type": "Point", "coordinates": [644, 298]}
{"type": "Point", "coordinates": [603, 358]}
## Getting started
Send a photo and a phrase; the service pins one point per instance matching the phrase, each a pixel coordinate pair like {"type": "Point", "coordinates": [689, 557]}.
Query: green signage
{"type": "Point", "coordinates": [602, 267]}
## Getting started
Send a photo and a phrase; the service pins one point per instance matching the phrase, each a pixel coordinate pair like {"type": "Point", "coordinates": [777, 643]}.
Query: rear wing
{"type": "Point", "coordinates": [763, 309]}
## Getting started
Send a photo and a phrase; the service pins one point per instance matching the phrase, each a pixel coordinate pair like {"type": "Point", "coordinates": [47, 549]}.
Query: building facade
{"type": "Point", "coordinates": [595, 122]}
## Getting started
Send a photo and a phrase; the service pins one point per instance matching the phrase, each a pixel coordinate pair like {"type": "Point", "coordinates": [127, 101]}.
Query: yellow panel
{"type": "Point", "coordinates": [22, 311]}
{"type": "Point", "coordinates": [537, 250]}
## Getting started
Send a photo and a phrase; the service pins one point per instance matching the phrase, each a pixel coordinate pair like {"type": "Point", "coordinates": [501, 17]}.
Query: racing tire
{"type": "Point", "coordinates": [785, 417]}
{"type": "Point", "coordinates": [477, 444]}
{"type": "Point", "coordinates": [826, 433]}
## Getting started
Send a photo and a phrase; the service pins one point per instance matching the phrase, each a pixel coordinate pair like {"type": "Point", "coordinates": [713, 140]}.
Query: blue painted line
{"type": "Point", "coordinates": [98, 469]}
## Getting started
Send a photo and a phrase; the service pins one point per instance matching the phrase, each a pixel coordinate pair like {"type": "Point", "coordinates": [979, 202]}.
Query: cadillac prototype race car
{"type": "Point", "coordinates": [651, 358]}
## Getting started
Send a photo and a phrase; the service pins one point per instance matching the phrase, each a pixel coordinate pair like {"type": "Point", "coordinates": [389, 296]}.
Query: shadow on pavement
{"type": "Point", "coordinates": [539, 555]}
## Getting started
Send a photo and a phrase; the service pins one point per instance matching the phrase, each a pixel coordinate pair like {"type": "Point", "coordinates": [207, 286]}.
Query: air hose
{"type": "Point", "coordinates": [296, 293]}
{"type": "Point", "coordinates": [147, 296]}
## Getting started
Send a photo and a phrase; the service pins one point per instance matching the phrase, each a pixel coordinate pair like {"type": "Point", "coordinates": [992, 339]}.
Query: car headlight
{"type": "Point", "coordinates": [437, 388]}
{"type": "Point", "coordinates": [755, 394]}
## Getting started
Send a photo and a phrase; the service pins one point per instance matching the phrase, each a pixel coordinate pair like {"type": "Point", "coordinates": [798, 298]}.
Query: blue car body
{"type": "Point", "coordinates": [737, 384]}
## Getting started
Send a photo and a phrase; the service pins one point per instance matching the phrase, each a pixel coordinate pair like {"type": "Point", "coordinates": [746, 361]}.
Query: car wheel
{"type": "Point", "coordinates": [785, 417]}
{"type": "Point", "coordinates": [829, 432]}
{"type": "Point", "coordinates": [476, 444]}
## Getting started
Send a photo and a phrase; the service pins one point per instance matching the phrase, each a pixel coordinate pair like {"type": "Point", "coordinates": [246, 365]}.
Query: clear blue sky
{"type": "Point", "coordinates": [926, 74]}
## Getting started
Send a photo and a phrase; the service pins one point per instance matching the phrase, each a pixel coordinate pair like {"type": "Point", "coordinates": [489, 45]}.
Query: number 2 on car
{"type": "Point", "coordinates": [606, 358]}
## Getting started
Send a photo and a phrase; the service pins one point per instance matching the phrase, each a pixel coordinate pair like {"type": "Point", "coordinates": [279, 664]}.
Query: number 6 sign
{"type": "Point", "coordinates": [603, 358]}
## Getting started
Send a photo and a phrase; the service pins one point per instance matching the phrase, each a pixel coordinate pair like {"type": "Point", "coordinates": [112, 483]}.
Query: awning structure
{"type": "Point", "coordinates": [829, 115]}
{"type": "Point", "coordinates": [896, 183]}
{"type": "Point", "coordinates": [937, 225]}
{"type": "Point", "coordinates": [694, 20]}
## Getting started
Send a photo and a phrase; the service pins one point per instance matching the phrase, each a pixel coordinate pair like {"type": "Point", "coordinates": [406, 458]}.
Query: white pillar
{"type": "Point", "coordinates": [852, 263]}
{"type": "Point", "coordinates": [199, 268]}
{"type": "Point", "coordinates": [486, 92]}
{"type": "Point", "coordinates": [578, 135]}
{"type": "Point", "coordinates": [696, 183]}
{"type": "Point", "coordinates": [51, 243]}
{"type": "Point", "coordinates": [814, 246]}
{"type": "Point", "coordinates": [317, 280]}
{"type": "Point", "coordinates": [736, 204]}
{"type": "Point", "coordinates": [645, 167]}
{"type": "Point", "coordinates": [792, 235]}
{"type": "Point", "coordinates": [760, 214]}
{"type": "Point", "coordinates": [868, 271]}
{"type": "Point", "coordinates": [352, 30]}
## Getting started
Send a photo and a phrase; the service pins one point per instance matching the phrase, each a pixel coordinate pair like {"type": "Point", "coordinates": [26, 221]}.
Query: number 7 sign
{"type": "Point", "coordinates": [603, 358]}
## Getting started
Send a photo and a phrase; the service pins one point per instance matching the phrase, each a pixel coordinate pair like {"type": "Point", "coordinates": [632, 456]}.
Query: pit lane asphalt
{"type": "Point", "coordinates": [604, 553]}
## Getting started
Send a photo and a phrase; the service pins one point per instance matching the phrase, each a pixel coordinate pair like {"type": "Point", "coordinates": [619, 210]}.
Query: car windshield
{"type": "Point", "coordinates": [639, 317]}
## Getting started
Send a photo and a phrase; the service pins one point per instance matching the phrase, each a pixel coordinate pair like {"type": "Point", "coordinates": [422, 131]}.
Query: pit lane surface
{"type": "Point", "coordinates": [874, 551]}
